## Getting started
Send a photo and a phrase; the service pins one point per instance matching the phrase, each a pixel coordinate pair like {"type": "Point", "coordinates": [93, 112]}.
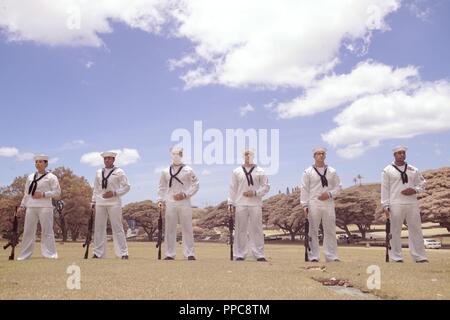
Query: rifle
{"type": "Point", "coordinates": [160, 229]}
{"type": "Point", "coordinates": [388, 238]}
{"type": "Point", "coordinates": [231, 229]}
{"type": "Point", "coordinates": [13, 236]}
{"type": "Point", "coordinates": [307, 240]}
{"type": "Point", "coordinates": [89, 235]}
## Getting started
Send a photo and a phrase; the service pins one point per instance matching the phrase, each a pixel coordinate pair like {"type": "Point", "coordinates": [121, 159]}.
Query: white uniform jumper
{"type": "Point", "coordinates": [315, 182]}
{"type": "Point", "coordinates": [115, 180]}
{"type": "Point", "coordinates": [249, 232]}
{"type": "Point", "coordinates": [39, 210]}
{"type": "Point", "coordinates": [395, 179]}
{"type": "Point", "coordinates": [173, 181]}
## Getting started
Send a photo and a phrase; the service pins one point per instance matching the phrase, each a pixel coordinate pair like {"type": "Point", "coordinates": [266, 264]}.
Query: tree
{"type": "Point", "coordinates": [286, 213]}
{"type": "Point", "coordinates": [435, 200]}
{"type": "Point", "coordinates": [359, 177]}
{"type": "Point", "coordinates": [146, 215]}
{"type": "Point", "coordinates": [77, 195]}
{"type": "Point", "coordinates": [357, 205]}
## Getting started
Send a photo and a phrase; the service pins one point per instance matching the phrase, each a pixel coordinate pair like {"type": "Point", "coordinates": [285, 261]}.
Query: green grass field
{"type": "Point", "coordinates": [213, 276]}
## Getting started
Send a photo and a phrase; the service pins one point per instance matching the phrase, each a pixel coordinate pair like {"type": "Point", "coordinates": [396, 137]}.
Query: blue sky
{"type": "Point", "coordinates": [69, 100]}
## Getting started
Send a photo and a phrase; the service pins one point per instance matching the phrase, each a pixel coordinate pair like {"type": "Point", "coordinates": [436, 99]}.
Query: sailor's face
{"type": "Point", "coordinates": [109, 161]}
{"type": "Point", "coordinates": [400, 156]}
{"type": "Point", "coordinates": [41, 165]}
{"type": "Point", "coordinates": [177, 154]}
{"type": "Point", "coordinates": [248, 157]}
{"type": "Point", "coordinates": [320, 156]}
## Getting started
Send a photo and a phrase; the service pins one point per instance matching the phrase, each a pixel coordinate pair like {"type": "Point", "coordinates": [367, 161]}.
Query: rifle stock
{"type": "Point", "coordinates": [13, 236]}
{"type": "Point", "coordinates": [160, 227]}
{"type": "Point", "coordinates": [307, 239]}
{"type": "Point", "coordinates": [88, 241]}
{"type": "Point", "coordinates": [388, 238]}
{"type": "Point", "coordinates": [231, 229]}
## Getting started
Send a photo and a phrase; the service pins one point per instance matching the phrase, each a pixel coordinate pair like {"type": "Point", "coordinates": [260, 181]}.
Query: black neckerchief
{"type": "Point", "coordinates": [248, 175]}
{"type": "Point", "coordinates": [403, 174]}
{"type": "Point", "coordinates": [33, 185]}
{"type": "Point", "coordinates": [323, 177]}
{"type": "Point", "coordinates": [105, 179]}
{"type": "Point", "coordinates": [174, 176]}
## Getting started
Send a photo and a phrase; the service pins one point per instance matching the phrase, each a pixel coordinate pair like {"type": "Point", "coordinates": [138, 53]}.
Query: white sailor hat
{"type": "Point", "coordinates": [109, 154]}
{"type": "Point", "coordinates": [399, 148]}
{"type": "Point", "coordinates": [250, 150]}
{"type": "Point", "coordinates": [42, 157]}
{"type": "Point", "coordinates": [319, 149]}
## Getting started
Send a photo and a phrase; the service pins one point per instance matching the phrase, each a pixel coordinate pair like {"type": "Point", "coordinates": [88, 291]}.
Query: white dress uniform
{"type": "Point", "coordinates": [403, 208]}
{"type": "Point", "coordinates": [114, 180]}
{"type": "Point", "coordinates": [39, 210]}
{"type": "Point", "coordinates": [175, 180]}
{"type": "Point", "coordinates": [312, 186]}
{"type": "Point", "coordinates": [249, 233]}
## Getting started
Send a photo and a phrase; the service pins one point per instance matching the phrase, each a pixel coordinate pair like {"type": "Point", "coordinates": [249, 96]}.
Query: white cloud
{"type": "Point", "coordinates": [332, 91]}
{"type": "Point", "coordinates": [246, 109]}
{"type": "Point", "coordinates": [14, 152]}
{"type": "Point", "coordinates": [89, 64]}
{"type": "Point", "coordinates": [8, 152]}
{"type": "Point", "coordinates": [206, 172]}
{"type": "Point", "coordinates": [25, 156]}
{"type": "Point", "coordinates": [76, 22]}
{"type": "Point", "coordinates": [75, 144]}
{"type": "Point", "coordinates": [394, 115]}
{"type": "Point", "coordinates": [420, 8]}
{"type": "Point", "coordinates": [159, 169]}
{"type": "Point", "coordinates": [124, 157]}
{"type": "Point", "coordinates": [53, 160]}
{"type": "Point", "coordinates": [272, 44]}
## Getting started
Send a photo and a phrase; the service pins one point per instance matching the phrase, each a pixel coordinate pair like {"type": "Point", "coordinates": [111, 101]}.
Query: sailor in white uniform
{"type": "Point", "coordinates": [178, 184]}
{"type": "Point", "coordinates": [320, 185]}
{"type": "Point", "coordinates": [40, 188]}
{"type": "Point", "coordinates": [400, 185]}
{"type": "Point", "coordinates": [110, 185]}
{"type": "Point", "coordinates": [249, 184]}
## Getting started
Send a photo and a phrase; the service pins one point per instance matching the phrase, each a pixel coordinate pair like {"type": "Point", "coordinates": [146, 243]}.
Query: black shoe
{"type": "Point", "coordinates": [314, 260]}
{"type": "Point", "coordinates": [240, 259]}
{"type": "Point", "coordinates": [169, 258]}
{"type": "Point", "coordinates": [124, 257]}
{"type": "Point", "coordinates": [191, 258]}
{"type": "Point", "coordinates": [261, 260]}
{"type": "Point", "coordinates": [423, 261]}
{"type": "Point", "coordinates": [399, 261]}
{"type": "Point", "coordinates": [95, 257]}
{"type": "Point", "coordinates": [336, 260]}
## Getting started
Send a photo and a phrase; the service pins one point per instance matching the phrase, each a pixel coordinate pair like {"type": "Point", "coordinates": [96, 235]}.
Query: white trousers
{"type": "Point", "coordinates": [326, 213]}
{"type": "Point", "coordinates": [411, 213]}
{"type": "Point", "coordinates": [181, 213]}
{"type": "Point", "coordinates": [119, 238]}
{"type": "Point", "coordinates": [249, 234]}
{"type": "Point", "coordinates": [48, 247]}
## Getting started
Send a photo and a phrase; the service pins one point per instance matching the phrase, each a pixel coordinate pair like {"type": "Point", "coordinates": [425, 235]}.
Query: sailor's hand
{"type": "Point", "coordinates": [249, 194]}
{"type": "Point", "coordinates": [38, 195]}
{"type": "Point", "coordinates": [324, 196]}
{"type": "Point", "coordinates": [409, 192]}
{"type": "Point", "coordinates": [108, 195]}
{"type": "Point", "coordinates": [387, 213]}
{"type": "Point", "coordinates": [179, 196]}
{"type": "Point", "coordinates": [160, 205]}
